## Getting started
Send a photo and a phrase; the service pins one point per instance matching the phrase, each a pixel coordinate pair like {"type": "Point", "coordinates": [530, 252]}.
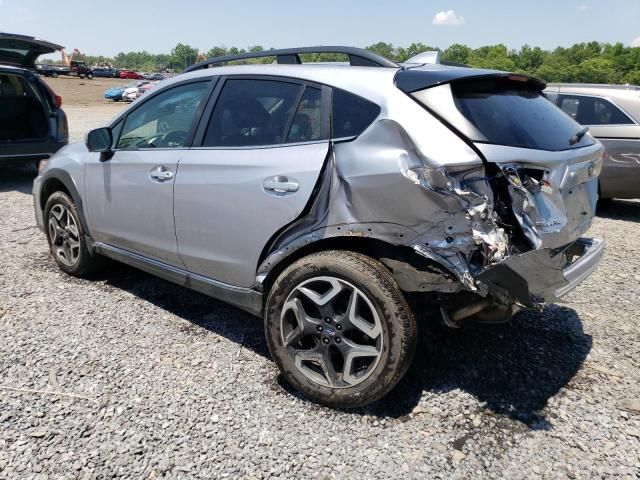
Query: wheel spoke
{"type": "Point", "coordinates": [353, 318]}
{"type": "Point", "coordinates": [306, 324]}
{"type": "Point", "coordinates": [323, 299]}
{"type": "Point", "coordinates": [73, 230]}
{"type": "Point", "coordinates": [351, 351]}
{"type": "Point", "coordinates": [317, 357]}
{"type": "Point", "coordinates": [58, 212]}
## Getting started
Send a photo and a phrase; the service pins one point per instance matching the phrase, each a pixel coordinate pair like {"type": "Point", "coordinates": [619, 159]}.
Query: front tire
{"type": "Point", "coordinates": [339, 328]}
{"type": "Point", "coordinates": [66, 237]}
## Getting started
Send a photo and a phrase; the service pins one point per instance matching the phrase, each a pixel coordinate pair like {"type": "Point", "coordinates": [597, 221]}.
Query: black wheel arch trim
{"type": "Point", "coordinates": [66, 179]}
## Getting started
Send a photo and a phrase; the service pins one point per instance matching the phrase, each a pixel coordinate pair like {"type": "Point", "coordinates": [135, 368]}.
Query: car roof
{"type": "Point", "coordinates": [370, 82]}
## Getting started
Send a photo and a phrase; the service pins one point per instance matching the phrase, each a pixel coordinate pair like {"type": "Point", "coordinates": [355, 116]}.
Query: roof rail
{"type": "Point", "coordinates": [358, 57]}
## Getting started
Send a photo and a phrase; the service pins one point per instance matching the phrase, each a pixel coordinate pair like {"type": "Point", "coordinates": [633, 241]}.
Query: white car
{"type": "Point", "coordinates": [130, 93]}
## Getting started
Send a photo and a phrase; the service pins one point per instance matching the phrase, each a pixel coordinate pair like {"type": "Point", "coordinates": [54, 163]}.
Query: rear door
{"type": "Point", "coordinates": [261, 150]}
{"type": "Point", "coordinates": [130, 195]}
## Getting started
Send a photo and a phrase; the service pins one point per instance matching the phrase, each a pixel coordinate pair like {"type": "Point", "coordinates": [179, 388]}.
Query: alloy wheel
{"type": "Point", "coordinates": [331, 332]}
{"type": "Point", "coordinates": [64, 235]}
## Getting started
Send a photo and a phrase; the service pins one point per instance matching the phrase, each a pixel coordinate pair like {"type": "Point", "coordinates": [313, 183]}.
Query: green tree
{"type": "Point", "coordinates": [457, 53]}
{"type": "Point", "coordinates": [183, 56]}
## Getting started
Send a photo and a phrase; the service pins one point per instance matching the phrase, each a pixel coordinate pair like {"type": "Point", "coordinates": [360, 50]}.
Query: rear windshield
{"type": "Point", "coordinates": [509, 113]}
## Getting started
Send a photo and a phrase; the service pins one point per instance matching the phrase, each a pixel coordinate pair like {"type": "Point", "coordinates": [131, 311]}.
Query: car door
{"type": "Point", "coordinates": [130, 195]}
{"type": "Point", "coordinates": [620, 135]}
{"type": "Point", "coordinates": [261, 152]}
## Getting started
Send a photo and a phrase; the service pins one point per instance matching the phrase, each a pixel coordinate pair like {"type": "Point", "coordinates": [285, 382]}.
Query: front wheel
{"type": "Point", "coordinates": [89, 76]}
{"type": "Point", "coordinates": [66, 237]}
{"type": "Point", "coordinates": [339, 328]}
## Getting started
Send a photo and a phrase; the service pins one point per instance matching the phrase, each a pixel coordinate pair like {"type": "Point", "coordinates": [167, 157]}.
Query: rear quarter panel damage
{"type": "Point", "coordinates": [382, 187]}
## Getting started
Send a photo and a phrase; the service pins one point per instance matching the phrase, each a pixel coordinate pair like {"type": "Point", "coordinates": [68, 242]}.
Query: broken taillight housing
{"type": "Point", "coordinates": [596, 165]}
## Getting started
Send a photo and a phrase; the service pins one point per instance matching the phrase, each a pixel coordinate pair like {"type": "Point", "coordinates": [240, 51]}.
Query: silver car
{"type": "Point", "coordinates": [612, 113]}
{"type": "Point", "coordinates": [320, 197]}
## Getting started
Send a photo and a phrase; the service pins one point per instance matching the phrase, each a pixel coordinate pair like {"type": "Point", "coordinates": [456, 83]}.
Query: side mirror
{"type": "Point", "coordinates": [99, 140]}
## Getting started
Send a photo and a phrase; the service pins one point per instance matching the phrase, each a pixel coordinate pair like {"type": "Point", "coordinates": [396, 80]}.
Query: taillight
{"type": "Point", "coordinates": [57, 100]}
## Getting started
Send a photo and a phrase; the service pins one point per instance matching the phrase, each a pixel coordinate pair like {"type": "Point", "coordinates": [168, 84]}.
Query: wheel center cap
{"type": "Point", "coordinates": [329, 331]}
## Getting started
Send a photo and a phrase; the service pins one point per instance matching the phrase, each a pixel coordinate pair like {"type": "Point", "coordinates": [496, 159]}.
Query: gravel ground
{"type": "Point", "coordinates": [130, 376]}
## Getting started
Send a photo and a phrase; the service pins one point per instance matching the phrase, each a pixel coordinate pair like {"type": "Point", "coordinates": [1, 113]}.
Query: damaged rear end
{"type": "Point", "coordinates": [528, 206]}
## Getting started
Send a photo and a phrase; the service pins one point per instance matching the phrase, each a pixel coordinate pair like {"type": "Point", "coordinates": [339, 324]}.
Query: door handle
{"type": "Point", "coordinates": [280, 184]}
{"type": "Point", "coordinates": [161, 173]}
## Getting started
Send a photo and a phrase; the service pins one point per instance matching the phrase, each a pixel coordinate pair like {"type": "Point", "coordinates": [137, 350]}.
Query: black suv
{"type": "Point", "coordinates": [32, 124]}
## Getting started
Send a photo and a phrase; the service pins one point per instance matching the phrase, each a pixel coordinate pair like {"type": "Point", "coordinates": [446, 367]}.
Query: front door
{"type": "Point", "coordinates": [261, 155]}
{"type": "Point", "coordinates": [130, 195]}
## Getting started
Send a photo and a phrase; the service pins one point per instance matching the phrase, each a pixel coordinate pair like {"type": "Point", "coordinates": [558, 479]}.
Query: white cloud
{"type": "Point", "coordinates": [635, 42]}
{"type": "Point", "coordinates": [448, 18]}
{"type": "Point", "coordinates": [583, 8]}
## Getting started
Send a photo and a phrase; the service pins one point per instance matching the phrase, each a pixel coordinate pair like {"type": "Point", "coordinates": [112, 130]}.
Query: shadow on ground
{"type": "Point", "coordinates": [17, 179]}
{"type": "Point", "coordinates": [628, 210]}
{"type": "Point", "coordinates": [514, 368]}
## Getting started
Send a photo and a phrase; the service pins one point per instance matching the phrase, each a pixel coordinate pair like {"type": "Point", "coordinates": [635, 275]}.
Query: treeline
{"type": "Point", "coordinates": [591, 62]}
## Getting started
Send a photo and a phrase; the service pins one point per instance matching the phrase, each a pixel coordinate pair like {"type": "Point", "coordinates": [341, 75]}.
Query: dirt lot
{"type": "Point", "coordinates": [130, 376]}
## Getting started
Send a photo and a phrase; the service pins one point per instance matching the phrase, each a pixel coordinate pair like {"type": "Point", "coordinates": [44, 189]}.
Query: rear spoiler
{"type": "Point", "coordinates": [414, 79]}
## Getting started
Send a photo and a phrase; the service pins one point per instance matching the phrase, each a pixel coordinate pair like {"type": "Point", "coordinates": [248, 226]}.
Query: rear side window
{"type": "Point", "coordinates": [351, 114]}
{"type": "Point", "coordinates": [254, 113]}
{"type": "Point", "coordinates": [503, 112]}
{"type": "Point", "coordinates": [306, 125]}
{"type": "Point", "coordinates": [593, 110]}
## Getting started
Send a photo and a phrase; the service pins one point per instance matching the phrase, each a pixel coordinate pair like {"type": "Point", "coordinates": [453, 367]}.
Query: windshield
{"type": "Point", "coordinates": [505, 113]}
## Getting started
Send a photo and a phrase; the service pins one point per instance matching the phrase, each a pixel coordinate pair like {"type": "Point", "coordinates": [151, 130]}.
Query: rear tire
{"type": "Point", "coordinates": [339, 328]}
{"type": "Point", "coordinates": [66, 237]}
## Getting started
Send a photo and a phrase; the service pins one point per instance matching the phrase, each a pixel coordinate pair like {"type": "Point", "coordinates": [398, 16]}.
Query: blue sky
{"type": "Point", "coordinates": [108, 26]}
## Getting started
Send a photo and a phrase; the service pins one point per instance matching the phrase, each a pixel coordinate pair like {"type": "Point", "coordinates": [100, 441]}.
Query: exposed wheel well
{"type": "Point", "coordinates": [49, 188]}
{"type": "Point", "coordinates": [371, 247]}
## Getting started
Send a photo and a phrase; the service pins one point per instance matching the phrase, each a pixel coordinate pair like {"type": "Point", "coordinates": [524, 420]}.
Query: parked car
{"type": "Point", "coordinates": [156, 76]}
{"type": "Point", "coordinates": [321, 198]}
{"type": "Point", "coordinates": [105, 72]}
{"type": "Point", "coordinates": [114, 93]}
{"type": "Point", "coordinates": [117, 93]}
{"type": "Point", "coordinates": [131, 92]}
{"type": "Point", "coordinates": [32, 123]}
{"type": "Point", "coordinates": [612, 113]}
{"type": "Point", "coordinates": [130, 74]}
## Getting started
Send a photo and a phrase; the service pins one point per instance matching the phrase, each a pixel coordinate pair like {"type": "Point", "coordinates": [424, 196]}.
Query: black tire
{"type": "Point", "coordinates": [89, 76]}
{"type": "Point", "coordinates": [79, 264]}
{"type": "Point", "coordinates": [378, 289]}
{"type": "Point", "coordinates": [54, 74]}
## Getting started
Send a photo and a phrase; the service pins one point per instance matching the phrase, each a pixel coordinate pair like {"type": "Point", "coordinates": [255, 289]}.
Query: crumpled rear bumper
{"type": "Point", "coordinates": [545, 275]}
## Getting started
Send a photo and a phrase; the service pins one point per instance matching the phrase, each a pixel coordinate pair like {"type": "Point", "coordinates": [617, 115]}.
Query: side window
{"type": "Point", "coordinates": [251, 112]}
{"type": "Point", "coordinates": [165, 120]}
{"type": "Point", "coordinates": [593, 111]}
{"type": "Point", "coordinates": [306, 125]}
{"type": "Point", "coordinates": [351, 114]}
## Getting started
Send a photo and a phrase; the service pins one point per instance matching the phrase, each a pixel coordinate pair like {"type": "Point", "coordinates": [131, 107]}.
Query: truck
{"type": "Point", "coordinates": [74, 69]}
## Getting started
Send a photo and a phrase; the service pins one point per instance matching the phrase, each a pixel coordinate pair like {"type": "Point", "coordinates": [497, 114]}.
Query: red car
{"type": "Point", "coordinates": [130, 74]}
